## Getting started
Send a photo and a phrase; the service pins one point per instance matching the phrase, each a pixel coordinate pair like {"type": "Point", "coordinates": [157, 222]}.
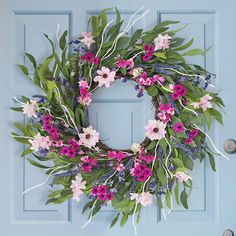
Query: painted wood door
{"type": "Point", "coordinates": [117, 114]}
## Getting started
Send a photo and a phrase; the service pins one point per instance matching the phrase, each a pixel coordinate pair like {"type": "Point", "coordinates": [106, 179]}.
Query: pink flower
{"type": "Point", "coordinates": [83, 84]}
{"type": "Point", "coordinates": [77, 187]}
{"type": "Point", "coordinates": [162, 42]}
{"type": "Point", "coordinates": [181, 176]}
{"type": "Point", "coordinates": [178, 127]}
{"type": "Point", "coordinates": [144, 198]}
{"type": "Point", "coordinates": [87, 39]}
{"type": "Point", "coordinates": [85, 100]}
{"type": "Point", "coordinates": [89, 137]}
{"type": "Point", "coordinates": [204, 103]}
{"type": "Point", "coordinates": [118, 155]}
{"type": "Point", "coordinates": [88, 163]}
{"type": "Point", "coordinates": [121, 63]}
{"type": "Point", "coordinates": [155, 129]}
{"type": "Point", "coordinates": [30, 108]}
{"type": "Point", "coordinates": [39, 142]}
{"type": "Point", "coordinates": [159, 78]}
{"type": "Point", "coordinates": [105, 77]}
{"type": "Point", "coordinates": [120, 167]}
{"type": "Point", "coordinates": [74, 143]}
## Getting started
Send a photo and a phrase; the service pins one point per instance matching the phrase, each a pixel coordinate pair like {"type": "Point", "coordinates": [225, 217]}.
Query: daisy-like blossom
{"type": "Point", "coordinates": [181, 176]}
{"type": "Point", "coordinates": [87, 39]}
{"type": "Point", "coordinates": [89, 137]}
{"type": "Point", "coordinates": [30, 108]}
{"type": "Point", "coordinates": [77, 187]}
{"type": "Point", "coordinates": [135, 148]}
{"type": "Point", "coordinates": [204, 103]}
{"type": "Point", "coordinates": [144, 198]}
{"type": "Point", "coordinates": [155, 130]}
{"type": "Point", "coordinates": [105, 77]}
{"type": "Point", "coordinates": [162, 42]}
{"type": "Point", "coordinates": [40, 141]}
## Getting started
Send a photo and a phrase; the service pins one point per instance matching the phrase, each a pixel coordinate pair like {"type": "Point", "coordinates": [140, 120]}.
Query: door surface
{"type": "Point", "coordinates": [116, 113]}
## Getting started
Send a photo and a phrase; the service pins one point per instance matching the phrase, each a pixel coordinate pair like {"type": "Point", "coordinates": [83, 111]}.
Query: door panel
{"type": "Point", "coordinates": [118, 115]}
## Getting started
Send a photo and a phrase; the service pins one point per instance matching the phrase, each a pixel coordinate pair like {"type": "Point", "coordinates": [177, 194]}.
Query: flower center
{"type": "Point", "coordinates": [155, 130]}
{"type": "Point", "coordinates": [88, 136]}
{"type": "Point", "coordinates": [104, 76]}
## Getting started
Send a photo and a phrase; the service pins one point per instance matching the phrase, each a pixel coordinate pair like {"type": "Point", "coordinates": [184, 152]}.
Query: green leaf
{"type": "Point", "coordinates": [135, 36]}
{"type": "Point", "coordinates": [188, 163]}
{"type": "Point", "coordinates": [26, 152]}
{"type": "Point", "coordinates": [35, 163]}
{"type": "Point", "coordinates": [87, 205]}
{"type": "Point", "coordinates": [185, 46]}
{"type": "Point", "coordinates": [160, 55]}
{"type": "Point", "coordinates": [177, 162]}
{"type": "Point", "coordinates": [151, 145]}
{"type": "Point", "coordinates": [216, 114]}
{"type": "Point", "coordinates": [176, 190]}
{"type": "Point", "coordinates": [195, 52]}
{"type": "Point", "coordinates": [168, 199]}
{"type": "Point", "coordinates": [24, 69]}
{"type": "Point", "coordinates": [118, 17]}
{"type": "Point", "coordinates": [161, 175]}
{"type": "Point", "coordinates": [212, 161]}
{"type": "Point", "coordinates": [152, 91]}
{"type": "Point", "coordinates": [124, 219]}
{"type": "Point", "coordinates": [114, 221]}
{"type": "Point", "coordinates": [184, 199]}
{"type": "Point", "coordinates": [62, 41]}
{"type": "Point", "coordinates": [208, 118]}
{"type": "Point", "coordinates": [32, 59]}
{"type": "Point", "coordinates": [54, 193]}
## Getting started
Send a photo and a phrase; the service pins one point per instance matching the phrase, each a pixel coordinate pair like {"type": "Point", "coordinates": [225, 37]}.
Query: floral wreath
{"type": "Point", "coordinates": [58, 128]}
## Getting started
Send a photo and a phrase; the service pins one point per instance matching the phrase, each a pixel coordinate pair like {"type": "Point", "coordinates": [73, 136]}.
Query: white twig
{"type": "Point", "coordinates": [188, 109]}
{"type": "Point", "coordinates": [188, 75]}
{"type": "Point", "coordinates": [90, 217]}
{"type": "Point", "coordinates": [45, 181]}
{"type": "Point", "coordinates": [212, 143]}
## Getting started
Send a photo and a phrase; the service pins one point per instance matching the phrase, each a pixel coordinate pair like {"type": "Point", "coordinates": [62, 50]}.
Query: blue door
{"type": "Point", "coordinates": [212, 207]}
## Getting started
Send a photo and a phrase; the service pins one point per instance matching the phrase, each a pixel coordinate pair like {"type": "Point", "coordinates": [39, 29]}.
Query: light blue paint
{"type": "Point", "coordinates": [117, 114]}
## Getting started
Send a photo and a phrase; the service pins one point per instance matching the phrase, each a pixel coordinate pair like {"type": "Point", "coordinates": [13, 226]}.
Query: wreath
{"type": "Point", "coordinates": [61, 140]}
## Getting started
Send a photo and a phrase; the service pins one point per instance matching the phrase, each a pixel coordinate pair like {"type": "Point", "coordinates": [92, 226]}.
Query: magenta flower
{"type": "Point", "coordinates": [147, 57]}
{"type": "Point", "coordinates": [122, 63]}
{"type": "Point", "coordinates": [180, 90]}
{"type": "Point", "coordinates": [188, 141]}
{"type": "Point", "coordinates": [194, 133]}
{"type": "Point", "coordinates": [96, 60]}
{"type": "Point", "coordinates": [65, 151]}
{"type": "Point", "coordinates": [178, 127]}
{"type": "Point", "coordinates": [89, 57]}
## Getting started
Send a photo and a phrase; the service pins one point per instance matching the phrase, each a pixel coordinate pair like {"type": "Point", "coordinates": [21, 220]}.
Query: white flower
{"type": "Point", "coordinates": [137, 71]}
{"type": "Point", "coordinates": [89, 137]}
{"type": "Point", "coordinates": [162, 42]}
{"type": "Point", "coordinates": [87, 39]}
{"type": "Point", "coordinates": [30, 108]}
{"type": "Point", "coordinates": [135, 148]}
{"type": "Point", "coordinates": [77, 186]}
{"type": "Point", "coordinates": [181, 176]}
{"type": "Point", "coordinates": [204, 103]}
{"type": "Point", "coordinates": [144, 198]}
{"type": "Point", "coordinates": [40, 141]}
{"type": "Point", "coordinates": [155, 129]}
{"type": "Point", "coordinates": [105, 77]}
